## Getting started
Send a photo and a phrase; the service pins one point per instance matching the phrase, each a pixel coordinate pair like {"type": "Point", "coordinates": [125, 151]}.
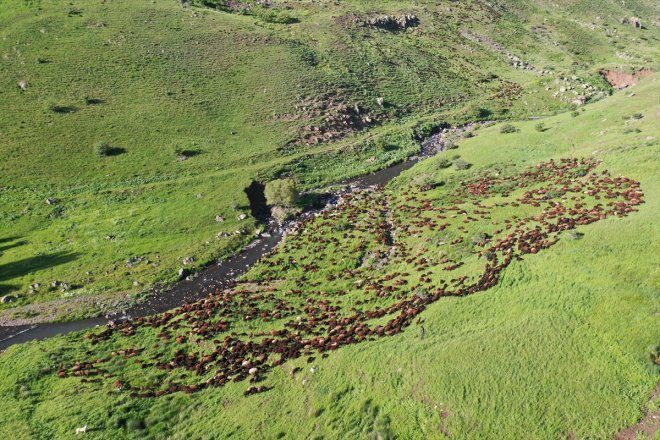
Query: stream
{"type": "Point", "coordinates": [216, 276]}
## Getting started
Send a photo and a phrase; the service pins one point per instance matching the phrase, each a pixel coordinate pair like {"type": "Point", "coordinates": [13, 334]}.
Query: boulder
{"type": "Point", "coordinates": [23, 84]}
{"type": "Point", "coordinates": [219, 218]}
{"type": "Point", "coordinates": [7, 299]}
{"type": "Point", "coordinates": [632, 21]}
{"type": "Point", "coordinates": [183, 273]}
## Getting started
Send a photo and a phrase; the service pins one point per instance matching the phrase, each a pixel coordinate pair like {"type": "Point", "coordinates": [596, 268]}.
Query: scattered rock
{"type": "Point", "coordinates": [23, 84]}
{"type": "Point", "coordinates": [188, 260]}
{"type": "Point", "coordinates": [380, 101]}
{"type": "Point", "coordinates": [391, 22]}
{"type": "Point", "coordinates": [219, 218]}
{"type": "Point", "coordinates": [632, 21]}
{"type": "Point", "coordinates": [183, 273]}
{"type": "Point", "coordinates": [242, 217]}
{"type": "Point", "coordinates": [52, 201]}
{"type": "Point", "coordinates": [7, 299]}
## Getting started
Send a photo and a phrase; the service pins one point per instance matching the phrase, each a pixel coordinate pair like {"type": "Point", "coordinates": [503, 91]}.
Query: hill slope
{"type": "Point", "coordinates": [195, 102]}
{"type": "Point", "coordinates": [559, 347]}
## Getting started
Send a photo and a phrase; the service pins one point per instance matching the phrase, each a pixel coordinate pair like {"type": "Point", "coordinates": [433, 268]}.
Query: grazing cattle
{"type": "Point", "coordinates": [344, 276]}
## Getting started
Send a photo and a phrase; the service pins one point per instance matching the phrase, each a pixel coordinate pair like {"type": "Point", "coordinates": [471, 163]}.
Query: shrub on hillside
{"type": "Point", "coordinates": [508, 128]}
{"type": "Point", "coordinates": [274, 16]}
{"type": "Point", "coordinates": [282, 192]}
{"type": "Point", "coordinates": [424, 181]}
{"type": "Point", "coordinates": [444, 163]}
{"type": "Point", "coordinates": [574, 235]}
{"type": "Point", "coordinates": [460, 164]}
{"type": "Point", "coordinates": [540, 127]}
{"type": "Point", "coordinates": [104, 149]}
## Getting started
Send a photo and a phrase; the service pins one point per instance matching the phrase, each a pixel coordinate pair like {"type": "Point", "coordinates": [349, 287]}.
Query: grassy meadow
{"type": "Point", "coordinates": [559, 348]}
{"type": "Point", "coordinates": [195, 103]}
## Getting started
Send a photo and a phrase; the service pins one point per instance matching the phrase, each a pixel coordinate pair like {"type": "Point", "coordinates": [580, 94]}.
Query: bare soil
{"type": "Point", "coordinates": [620, 79]}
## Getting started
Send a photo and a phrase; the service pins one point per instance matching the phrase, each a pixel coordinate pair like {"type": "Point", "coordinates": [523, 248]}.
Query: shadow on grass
{"type": "Point", "coordinates": [116, 151]}
{"type": "Point", "coordinates": [63, 109]}
{"type": "Point", "coordinates": [94, 101]}
{"type": "Point", "coordinates": [6, 239]}
{"type": "Point", "coordinates": [13, 245]}
{"type": "Point", "coordinates": [190, 153]}
{"type": "Point", "coordinates": [34, 264]}
{"type": "Point", "coordinates": [7, 288]}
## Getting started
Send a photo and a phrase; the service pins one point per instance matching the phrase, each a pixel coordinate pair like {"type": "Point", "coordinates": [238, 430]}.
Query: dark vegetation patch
{"type": "Point", "coordinates": [104, 149]}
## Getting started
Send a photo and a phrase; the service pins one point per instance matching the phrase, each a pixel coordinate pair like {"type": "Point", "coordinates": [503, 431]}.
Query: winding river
{"type": "Point", "coordinates": [217, 276]}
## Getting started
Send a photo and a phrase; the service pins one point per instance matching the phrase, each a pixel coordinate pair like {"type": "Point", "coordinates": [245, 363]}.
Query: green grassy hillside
{"type": "Point", "coordinates": [243, 93]}
{"type": "Point", "coordinates": [559, 347]}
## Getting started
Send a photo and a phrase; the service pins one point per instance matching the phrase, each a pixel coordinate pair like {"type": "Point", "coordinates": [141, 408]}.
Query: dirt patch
{"type": "Point", "coordinates": [59, 309]}
{"type": "Point", "coordinates": [648, 426]}
{"type": "Point", "coordinates": [620, 79]}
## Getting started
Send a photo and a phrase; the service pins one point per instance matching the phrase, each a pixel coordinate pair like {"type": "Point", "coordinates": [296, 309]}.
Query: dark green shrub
{"type": "Point", "coordinates": [460, 164]}
{"type": "Point", "coordinates": [282, 192]}
{"type": "Point", "coordinates": [103, 149]}
{"type": "Point", "coordinates": [508, 128]}
{"type": "Point", "coordinates": [444, 163]}
{"type": "Point", "coordinates": [574, 235]}
{"type": "Point", "coordinates": [540, 127]}
{"type": "Point", "coordinates": [274, 16]}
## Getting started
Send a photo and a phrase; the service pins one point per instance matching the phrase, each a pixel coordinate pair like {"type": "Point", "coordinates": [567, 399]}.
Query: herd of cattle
{"type": "Point", "coordinates": [363, 270]}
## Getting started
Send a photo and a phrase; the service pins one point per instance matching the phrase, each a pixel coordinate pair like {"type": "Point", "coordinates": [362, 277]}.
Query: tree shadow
{"type": "Point", "coordinates": [258, 205]}
{"type": "Point", "coordinates": [13, 245]}
{"type": "Point", "coordinates": [115, 151]}
{"type": "Point", "coordinates": [190, 153]}
{"type": "Point", "coordinates": [94, 101]}
{"type": "Point", "coordinates": [34, 264]}
{"type": "Point", "coordinates": [6, 239]}
{"type": "Point", "coordinates": [7, 288]}
{"type": "Point", "coordinates": [63, 109]}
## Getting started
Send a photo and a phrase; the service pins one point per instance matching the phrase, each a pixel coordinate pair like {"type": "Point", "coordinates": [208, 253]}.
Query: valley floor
{"type": "Point", "coordinates": [346, 337]}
